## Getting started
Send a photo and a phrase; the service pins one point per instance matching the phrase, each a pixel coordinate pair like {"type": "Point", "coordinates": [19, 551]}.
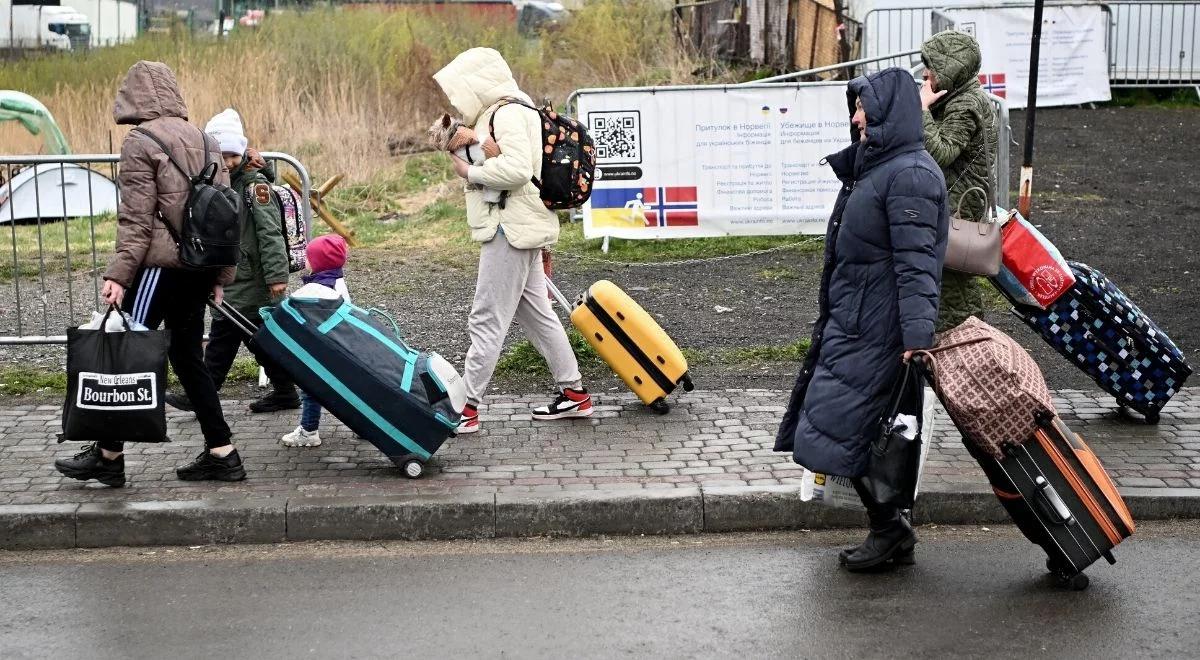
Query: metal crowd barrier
{"type": "Point", "coordinates": [42, 274]}
{"type": "Point", "coordinates": [1149, 44]}
{"type": "Point", "coordinates": [1154, 44]}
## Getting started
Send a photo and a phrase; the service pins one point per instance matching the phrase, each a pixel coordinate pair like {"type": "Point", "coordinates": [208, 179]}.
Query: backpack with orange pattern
{"type": "Point", "coordinates": [568, 158]}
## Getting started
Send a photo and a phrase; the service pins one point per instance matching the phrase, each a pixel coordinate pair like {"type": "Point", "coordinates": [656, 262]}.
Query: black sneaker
{"type": "Point", "coordinates": [207, 467]}
{"type": "Point", "coordinates": [179, 402]}
{"type": "Point", "coordinates": [91, 464]}
{"type": "Point", "coordinates": [275, 402]}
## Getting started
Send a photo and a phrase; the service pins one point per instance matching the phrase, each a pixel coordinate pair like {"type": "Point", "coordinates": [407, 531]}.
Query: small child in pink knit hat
{"type": "Point", "coordinates": [326, 256]}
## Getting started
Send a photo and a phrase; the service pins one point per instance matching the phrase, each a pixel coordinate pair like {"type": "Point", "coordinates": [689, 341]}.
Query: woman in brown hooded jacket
{"type": "Point", "coordinates": [145, 276]}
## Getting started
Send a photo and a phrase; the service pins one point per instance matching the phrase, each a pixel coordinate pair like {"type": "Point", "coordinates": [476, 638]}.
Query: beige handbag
{"type": "Point", "coordinates": [974, 247]}
{"type": "Point", "coordinates": [991, 387]}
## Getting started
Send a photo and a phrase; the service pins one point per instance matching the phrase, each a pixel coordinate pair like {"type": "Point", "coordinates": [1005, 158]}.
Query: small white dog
{"type": "Point", "coordinates": [450, 134]}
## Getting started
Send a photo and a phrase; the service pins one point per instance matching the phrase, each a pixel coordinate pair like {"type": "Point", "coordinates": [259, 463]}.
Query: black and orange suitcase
{"type": "Point", "coordinates": [1061, 498]}
{"type": "Point", "coordinates": [630, 341]}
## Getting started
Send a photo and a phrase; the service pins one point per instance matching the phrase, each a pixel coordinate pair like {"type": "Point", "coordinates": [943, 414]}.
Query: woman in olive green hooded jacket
{"type": "Point", "coordinates": [961, 135]}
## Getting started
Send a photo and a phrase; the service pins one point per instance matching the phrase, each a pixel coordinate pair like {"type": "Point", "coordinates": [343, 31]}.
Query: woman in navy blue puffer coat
{"type": "Point", "coordinates": [884, 249]}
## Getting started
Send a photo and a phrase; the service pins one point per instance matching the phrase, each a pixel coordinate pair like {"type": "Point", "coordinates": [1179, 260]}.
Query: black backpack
{"type": "Point", "coordinates": [212, 228]}
{"type": "Point", "coordinates": [568, 158]}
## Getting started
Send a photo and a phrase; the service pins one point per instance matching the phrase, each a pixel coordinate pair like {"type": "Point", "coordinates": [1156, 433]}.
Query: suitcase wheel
{"type": "Point", "coordinates": [687, 383]}
{"type": "Point", "coordinates": [413, 468]}
{"type": "Point", "coordinates": [1077, 582]}
{"type": "Point", "coordinates": [1064, 579]}
{"type": "Point", "coordinates": [660, 407]}
{"type": "Point", "coordinates": [1151, 418]}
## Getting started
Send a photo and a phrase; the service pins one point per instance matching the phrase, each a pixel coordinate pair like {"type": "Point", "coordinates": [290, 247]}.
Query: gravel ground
{"type": "Point", "coordinates": [1113, 187]}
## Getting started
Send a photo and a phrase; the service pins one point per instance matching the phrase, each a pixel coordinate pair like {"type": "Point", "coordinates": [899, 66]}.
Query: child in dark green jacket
{"type": "Point", "coordinates": [262, 271]}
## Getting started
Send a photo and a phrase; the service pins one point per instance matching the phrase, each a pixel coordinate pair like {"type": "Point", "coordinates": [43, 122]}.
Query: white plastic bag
{"type": "Point", "coordinates": [839, 492]}
{"type": "Point", "coordinates": [114, 323]}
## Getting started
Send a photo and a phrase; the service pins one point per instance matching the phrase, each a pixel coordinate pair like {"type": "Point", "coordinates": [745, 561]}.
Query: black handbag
{"type": "Point", "coordinates": [894, 461]}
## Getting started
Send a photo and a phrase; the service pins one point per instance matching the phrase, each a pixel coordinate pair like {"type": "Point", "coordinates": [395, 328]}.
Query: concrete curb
{"type": "Point", "coordinates": [473, 515]}
{"type": "Point", "coordinates": [391, 518]}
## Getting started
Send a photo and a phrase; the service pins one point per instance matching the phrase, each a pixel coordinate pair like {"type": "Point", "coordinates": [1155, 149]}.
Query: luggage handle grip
{"type": "Point", "coordinates": [1051, 502]}
{"type": "Point", "coordinates": [375, 311]}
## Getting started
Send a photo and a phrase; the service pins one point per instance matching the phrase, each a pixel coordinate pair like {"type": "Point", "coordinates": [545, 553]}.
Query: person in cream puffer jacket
{"type": "Point", "coordinates": [511, 283]}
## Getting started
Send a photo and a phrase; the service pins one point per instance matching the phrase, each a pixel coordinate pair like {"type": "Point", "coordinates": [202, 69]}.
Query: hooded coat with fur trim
{"type": "Point", "coordinates": [884, 249]}
{"type": "Point", "coordinates": [475, 82]}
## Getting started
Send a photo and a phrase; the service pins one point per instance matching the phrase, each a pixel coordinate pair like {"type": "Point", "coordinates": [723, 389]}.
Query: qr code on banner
{"type": "Point", "coordinates": [617, 135]}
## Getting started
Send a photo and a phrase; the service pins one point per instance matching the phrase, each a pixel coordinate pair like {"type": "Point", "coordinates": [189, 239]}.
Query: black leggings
{"type": "Point", "coordinates": [177, 298]}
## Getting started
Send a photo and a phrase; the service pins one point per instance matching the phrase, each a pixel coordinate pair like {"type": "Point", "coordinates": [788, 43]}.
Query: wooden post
{"type": "Point", "coordinates": [839, 10]}
{"type": "Point", "coordinates": [1025, 194]}
{"type": "Point", "coordinates": [316, 199]}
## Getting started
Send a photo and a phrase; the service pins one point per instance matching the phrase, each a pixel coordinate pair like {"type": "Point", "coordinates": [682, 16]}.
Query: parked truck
{"type": "Point", "coordinates": [43, 27]}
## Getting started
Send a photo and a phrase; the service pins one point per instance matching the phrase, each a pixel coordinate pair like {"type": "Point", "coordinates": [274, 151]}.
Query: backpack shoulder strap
{"type": "Point", "coordinates": [204, 174]}
{"type": "Point", "coordinates": [167, 151]}
{"type": "Point", "coordinates": [492, 127]}
{"type": "Point", "coordinates": [503, 102]}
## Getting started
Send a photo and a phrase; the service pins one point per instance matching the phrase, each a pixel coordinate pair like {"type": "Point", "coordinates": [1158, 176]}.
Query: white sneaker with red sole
{"type": "Point", "coordinates": [571, 403]}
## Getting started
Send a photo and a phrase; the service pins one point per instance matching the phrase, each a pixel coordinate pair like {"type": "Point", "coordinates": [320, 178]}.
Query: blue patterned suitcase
{"type": "Point", "coordinates": [1097, 327]}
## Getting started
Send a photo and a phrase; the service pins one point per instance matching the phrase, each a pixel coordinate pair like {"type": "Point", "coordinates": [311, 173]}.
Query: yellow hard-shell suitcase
{"type": "Point", "coordinates": [630, 341]}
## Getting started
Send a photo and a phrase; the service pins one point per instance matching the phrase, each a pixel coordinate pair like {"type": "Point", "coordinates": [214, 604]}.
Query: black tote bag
{"type": "Point", "coordinates": [894, 460]}
{"type": "Point", "coordinates": [115, 384]}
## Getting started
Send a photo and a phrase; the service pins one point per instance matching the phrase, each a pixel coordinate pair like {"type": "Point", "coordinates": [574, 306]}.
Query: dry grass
{"type": "Point", "coordinates": [334, 86]}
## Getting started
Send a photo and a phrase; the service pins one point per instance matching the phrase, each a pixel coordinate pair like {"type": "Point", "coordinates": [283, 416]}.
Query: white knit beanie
{"type": "Point", "coordinates": [226, 127]}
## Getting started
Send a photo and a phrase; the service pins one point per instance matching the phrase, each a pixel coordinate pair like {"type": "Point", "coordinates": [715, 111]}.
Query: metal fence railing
{"type": "Point", "coordinates": [1149, 44]}
{"type": "Point", "coordinates": [896, 30]}
{"type": "Point", "coordinates": [940, 21]}
{"type": "Point", "coordinates": [57, 226]}
{"type": "Point", "coordinates": [1154, 44]}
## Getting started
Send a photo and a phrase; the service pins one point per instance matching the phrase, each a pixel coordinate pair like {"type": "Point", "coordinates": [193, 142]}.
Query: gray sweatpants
{"type": "Point", "coordinates": [512, 285]}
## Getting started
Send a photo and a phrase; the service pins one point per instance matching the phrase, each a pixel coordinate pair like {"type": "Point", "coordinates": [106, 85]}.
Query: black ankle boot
{"type": "Point", "coordinates": [901, 558]}
{"type": "Point", "coordinates": [890, 538]}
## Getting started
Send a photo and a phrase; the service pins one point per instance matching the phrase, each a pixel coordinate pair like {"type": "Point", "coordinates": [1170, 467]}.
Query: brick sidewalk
{"type": "Point", "coordinates": [711, 438]}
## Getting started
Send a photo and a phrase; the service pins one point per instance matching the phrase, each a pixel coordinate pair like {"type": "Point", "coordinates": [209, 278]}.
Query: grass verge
{"type": "Point", "coordinates": [523, 359]}
{"type": "Point", "coordinates": [1169, 97]}
{"type": "Point", "coordinates": [676, 249]}
{"type": "Point", "coordinates": [31, 249]}
{"type": "Point", "coordinates": [22, 381]}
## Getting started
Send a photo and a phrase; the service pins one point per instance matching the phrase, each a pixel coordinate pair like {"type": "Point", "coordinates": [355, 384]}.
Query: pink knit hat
{"type": "Point", "coordinates": [326, 253]}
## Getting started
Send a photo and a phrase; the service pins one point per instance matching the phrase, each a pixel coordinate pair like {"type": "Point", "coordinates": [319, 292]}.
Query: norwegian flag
{"type": "Point", "coordinates": [994, 83]}
{"type": "Point", "coordinates": [671, 207]}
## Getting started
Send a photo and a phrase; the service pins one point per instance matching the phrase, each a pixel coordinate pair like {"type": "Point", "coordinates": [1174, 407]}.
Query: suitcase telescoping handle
{"type": "Point", "coordinates": [558, 295]}
{"type": "Point", "coordinates": [235, 317]}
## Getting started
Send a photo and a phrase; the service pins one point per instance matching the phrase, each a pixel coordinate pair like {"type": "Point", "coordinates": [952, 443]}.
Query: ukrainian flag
{"type": "Point", "coordinates": [619, 208]}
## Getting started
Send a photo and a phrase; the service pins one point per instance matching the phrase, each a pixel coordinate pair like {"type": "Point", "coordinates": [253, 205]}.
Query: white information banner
{"type": "Point", "coordinates": [714, 161]}
{"type": "Point", "coordinates": [1073, 62]}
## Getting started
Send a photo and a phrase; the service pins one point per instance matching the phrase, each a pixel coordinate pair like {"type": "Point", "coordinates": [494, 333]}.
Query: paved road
{"type": "Point", "coordinates": [974, 592]}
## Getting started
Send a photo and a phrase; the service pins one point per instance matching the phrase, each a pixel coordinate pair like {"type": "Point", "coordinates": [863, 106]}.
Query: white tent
{"type": "Point", "coordinates": [55, 192]}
